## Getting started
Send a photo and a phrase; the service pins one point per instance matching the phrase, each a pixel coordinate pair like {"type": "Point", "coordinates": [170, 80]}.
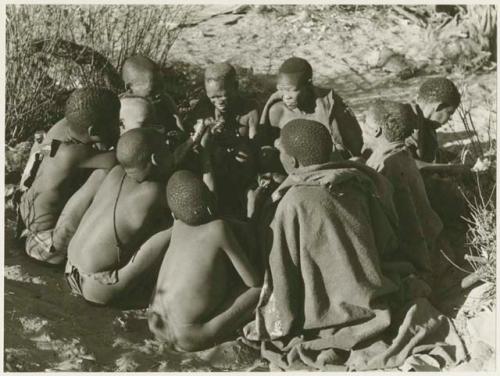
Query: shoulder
{"type": "Point", "coordinates": [71, 154]}
{"type": "Point", "coordinates": [276, 112]}
{"type": "Point", "coordinates": [150, 191]}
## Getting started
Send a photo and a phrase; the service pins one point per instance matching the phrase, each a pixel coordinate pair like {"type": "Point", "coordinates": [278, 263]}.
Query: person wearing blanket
{"type": "Point", "coordinates": [390, 124]}
{"type": "Point", "coordinates": [298, 98]}
{"type": "Point", "coordinates": [325, 296]}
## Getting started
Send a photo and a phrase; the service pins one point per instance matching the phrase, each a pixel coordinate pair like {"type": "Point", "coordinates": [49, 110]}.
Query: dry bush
{"type": "Point", "coordinates": [52, 49]}
{"type": "Point", "coordinates": [481, 238]}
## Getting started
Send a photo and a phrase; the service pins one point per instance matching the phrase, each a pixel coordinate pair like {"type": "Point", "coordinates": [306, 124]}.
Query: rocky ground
{"type": "Point", "coordinates": [362, 52]}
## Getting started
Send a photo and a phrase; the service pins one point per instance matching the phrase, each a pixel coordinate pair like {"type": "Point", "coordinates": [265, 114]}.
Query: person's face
{"type": "Point", "coordinates": [106, 135]}
{"type": "Point", "coordinates": [219, 94]}
{"type": "Point", "coordinates": [144, 84]}
{"type": "Point", "coordinates": [442, 114]}
{"type": "Point", "coordinates": [289, 162]}
{"type": "Point", "coordinates": [289, 89]}
{"type": "Point", "coordinates": [133, 114]}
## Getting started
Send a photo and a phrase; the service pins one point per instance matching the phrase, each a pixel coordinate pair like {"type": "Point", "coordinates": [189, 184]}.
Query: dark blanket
{"type": "Point", "coordinates": [325, 301]}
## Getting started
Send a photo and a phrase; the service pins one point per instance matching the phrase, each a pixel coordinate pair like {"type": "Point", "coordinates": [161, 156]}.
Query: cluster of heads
{"type": "Point", "coordinates": [93, 116]}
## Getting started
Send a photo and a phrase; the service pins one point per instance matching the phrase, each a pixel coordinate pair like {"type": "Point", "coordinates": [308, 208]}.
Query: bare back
{"type": "Point", "coordinates": [195, 275]}
{"type": "Point", "coordinates": [57, 178]}
{"type": "Point", "coordinates": [123, 214]}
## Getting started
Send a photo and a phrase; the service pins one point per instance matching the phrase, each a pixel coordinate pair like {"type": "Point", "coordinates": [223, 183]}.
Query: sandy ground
{"type": "Point", "coordinates": [47, 328]}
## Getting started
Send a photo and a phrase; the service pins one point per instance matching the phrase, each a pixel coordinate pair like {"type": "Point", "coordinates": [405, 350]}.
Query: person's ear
{"type": "Point", "coordinates": [154, 160]}
{"type": "Point", "coordinates": [173, 215]}
{"type": "Point", "coordinates": [378, 132]}
{"type": "Point", "coordinates": [92, 131]}
{"type": "Point", "coordinates": [293, 161]}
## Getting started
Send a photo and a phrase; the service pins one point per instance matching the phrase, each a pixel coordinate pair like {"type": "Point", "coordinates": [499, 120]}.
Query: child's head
{"type": "Point", "coordinates": [137, 152]}
{"type": "Point", "coordinates": [189, 198]}
{"type": "Point", "coordinates": [389, 121]}
{"type": "Point", "coordinates": [294, 81]}
{"type": "Point", "coordinates": [93, 116]}
{"type": "Point", "coordinates": [304, 143]}
{"type": "Point", "coordinates": [438, 98]}
{"type": "Point", "coordinates": [221, 85]}
{"type": "Point", "coordinates": [135, 112]}
{"type": "Point", "coordinates": [141, 76]}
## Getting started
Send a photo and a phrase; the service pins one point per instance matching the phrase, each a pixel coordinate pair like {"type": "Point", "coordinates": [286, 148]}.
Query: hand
{"type": "Point", "coordinates": [217, 127]}
{"type": "Point", "coordinates": [199, 130]}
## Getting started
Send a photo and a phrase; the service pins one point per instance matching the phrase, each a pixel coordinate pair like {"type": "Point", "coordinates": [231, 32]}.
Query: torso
{"type": "Point", "coordinates": [193, 280]}
{"type": "Point", "coordinates": [141, 210]}
{"type": "Point", "coordinates": [58, 177]}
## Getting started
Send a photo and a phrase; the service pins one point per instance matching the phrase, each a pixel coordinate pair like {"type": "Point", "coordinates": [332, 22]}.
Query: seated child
{"type": "Point", "coordinates": [329, 234]}
{"type": "Point", "coordinates": [233, 120]}
{"type": "Point", "coordinates": [298, 98]}
{"type": "Point", "coordinates": [105, 258]}
{"type": "Point", "coordinates": [62, 162]}
{"type": "Point", "coordinates": [207, 288]}
{"type": "Point", "coordinates": [142, 77]}
{"type": "Point", "coordinates": [419, 226]}
{"type": "Point", "coordinates": [437, 100]}
{"type": "Point", "coordinates": [135, 112]}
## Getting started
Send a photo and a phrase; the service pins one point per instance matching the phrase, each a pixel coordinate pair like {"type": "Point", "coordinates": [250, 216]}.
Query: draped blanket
{"type": "Point", "coordinates": [325, 300]}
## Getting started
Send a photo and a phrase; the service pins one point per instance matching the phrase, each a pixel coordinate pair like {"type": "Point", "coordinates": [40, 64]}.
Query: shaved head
{"type": "Point", "coordinates": [220, 72]}
{"type": "Point", "coordinates": [188, 198]}
{"type": "Point", "coordinates": [141, 75]}
{"type": "Point", "coordinates": [136, 112]}
{"type": "Point", "coordinates": [306, 140]}
{"type": "Point", "coordinates": [135, 147]}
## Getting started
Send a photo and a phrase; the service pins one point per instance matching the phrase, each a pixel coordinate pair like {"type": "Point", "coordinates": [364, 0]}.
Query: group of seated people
{"type": "Point", "coordinates": [182, 216]}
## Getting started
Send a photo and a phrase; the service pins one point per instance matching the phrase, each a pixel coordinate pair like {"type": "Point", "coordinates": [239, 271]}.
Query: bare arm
{"type": "Point", "coordinates": [426, 167]}
{"type": "Point", "coordinates": [253, 124]}
{"type": "Point", "coordinates": [239, 259]}
{"type": "Point", "coordinates": [74, 210]}
{"type": "Point", "coordinates": [149, 255]}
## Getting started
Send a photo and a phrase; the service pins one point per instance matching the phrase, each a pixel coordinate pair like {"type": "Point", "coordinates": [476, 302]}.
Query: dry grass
{"type": "Point", "coordinates": [481, 238]}
{"type": "Point", "coordinates": [54, 49]}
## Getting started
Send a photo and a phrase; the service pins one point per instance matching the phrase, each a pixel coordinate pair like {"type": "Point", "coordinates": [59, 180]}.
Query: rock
{"type": "Point", "coordinates": [481, 327]}
{"type": "Point", "coordinates": [17, 156]}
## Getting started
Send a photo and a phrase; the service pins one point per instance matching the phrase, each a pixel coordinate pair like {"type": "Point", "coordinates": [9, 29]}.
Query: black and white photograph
{"type": "Point", "coordinates": [251, 187]}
